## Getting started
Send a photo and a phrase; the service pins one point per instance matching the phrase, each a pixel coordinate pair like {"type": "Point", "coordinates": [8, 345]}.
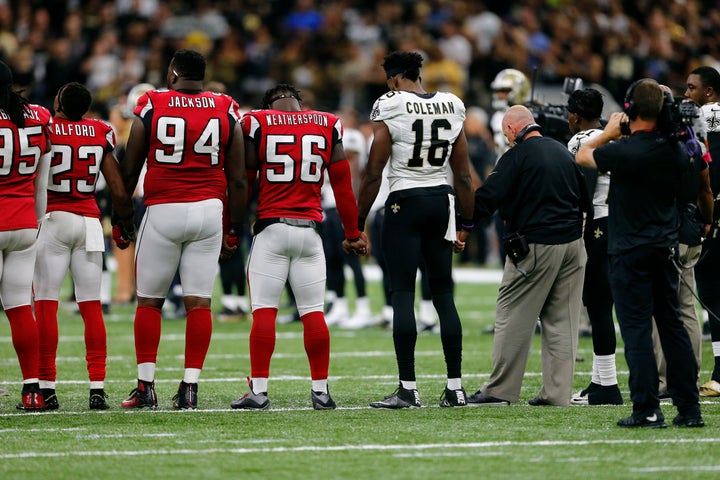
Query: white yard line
{"type": "Point", "coordinates": [364, 447]}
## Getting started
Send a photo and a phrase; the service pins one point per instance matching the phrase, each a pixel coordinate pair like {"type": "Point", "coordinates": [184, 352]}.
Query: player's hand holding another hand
{"type": "Point", "coordinates": [123, 231]}
{"type": "Point", "coordinates": [357, 246]}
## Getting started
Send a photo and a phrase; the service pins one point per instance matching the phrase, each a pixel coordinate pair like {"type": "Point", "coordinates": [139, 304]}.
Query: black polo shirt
{"type": "Point", "coordinates": [536, 188]}
{"type": "Point", "coordinates": [645, 170]}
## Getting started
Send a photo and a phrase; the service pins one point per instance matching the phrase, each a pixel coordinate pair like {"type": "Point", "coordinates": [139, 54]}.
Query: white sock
{"type": "Point", "coordinates": [320, 386]}
{"type": "Point", "coordinates": [716, 349]}
{"type": "Point", "coordinates": [362, 306]}
{"type": "Point", "coordinates": [387, 313]}
{"type": "Point", "coordinates": [241, 303]}
{"type": "Point", "coordinates": [259, 385]}
{"type": "Point", "coordinates": [606, 370]}
{"type": "Point", "coordinates": [30, 380]}
{"type": "Point", "coordinates": [192, 375]}
{"type": "Point", "coordinates": [146, 371]}
{"type": "Point", "coordinates": [408, 385]}
{"type": "Point", "coordinates": [595, 374]}
{"type": "Point", "coordinates": [47, 384]}
{"type": "Point", "coordinates": [427, 312]}
{"type": "Point", "coordinates": [96, 385]}
{"type": "Point", "coordinates": [454, 383]}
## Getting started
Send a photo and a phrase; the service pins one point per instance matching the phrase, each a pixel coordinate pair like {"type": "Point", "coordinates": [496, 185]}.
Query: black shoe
{"type": "Point", "coordinates": [664, 395]}
{"type": "Point", "coordinates": [32, 398]}
{"type": "Point", "coordinates": [186, 397]}
{"type": "Point", "coordinates": [51, 400]}
{"type": "Point", "coordinates": [322, 400]}
{"type": "Point", "coordinates": [479, 398]}
{"type": "Point", "coordinates": [644, 420]}
{"type": "Point", "coordinates": [539, 402]}
{"type": "Point", "coordinates": [453, 398]}
{"type": "Point", "coordinates": [98, 399]}
{"type": "Point", "coordinates": [252, 400]}
{"type": "Point", "coordinates": [400, 398]}
{"type": "Point", "coordinates": [690, 421]}
{"type": "Point", "coordinates": [143, 396]}
{"type": "Point", "coordinates": [605, 395]}
{"type": "Point", "coordinates": [581, 398]}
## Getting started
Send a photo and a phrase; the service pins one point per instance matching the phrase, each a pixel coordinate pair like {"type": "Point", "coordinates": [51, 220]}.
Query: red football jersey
{"type": "Point", "coordinates": [189, 133]}
{"type": "Point", "coordinates": [294, 149]}
{"type": "Point", "coordinates": [20, 151]}
{"type": "Point", "coordinates": [78, 149]}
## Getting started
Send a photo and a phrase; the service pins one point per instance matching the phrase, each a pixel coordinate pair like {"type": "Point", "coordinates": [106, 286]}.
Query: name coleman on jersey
{"type": "Point", "coordinates": [434, 108]}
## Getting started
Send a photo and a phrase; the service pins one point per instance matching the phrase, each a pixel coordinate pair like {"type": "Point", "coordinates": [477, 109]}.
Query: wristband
{"type": "Point", "coordinates": [467, 224]}
{"type": "Point", "coordinates": [361, 223]}
{"type": "Point", "coordinates": [352, 240]}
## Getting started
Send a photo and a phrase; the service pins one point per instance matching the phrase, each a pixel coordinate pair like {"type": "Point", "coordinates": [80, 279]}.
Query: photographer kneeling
{"type": "Point", "coordinates": [642, 241]}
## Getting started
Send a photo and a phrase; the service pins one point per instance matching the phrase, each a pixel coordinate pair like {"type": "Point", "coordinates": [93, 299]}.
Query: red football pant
{"type": "Point", "coordinates": [148, 322]}
{"type": "Point", "coordinates": [262, 341]}
{"type": "Point", "coordinates": [24, 333]}
{"type": "Point", "coordinates": [46, 314]}
{"type": "Point", "coordinates": [198, 331]}
{"type": "Point", "coordinates": [316, 338]}
{"type": "Point", "coordinates": [95, 339]}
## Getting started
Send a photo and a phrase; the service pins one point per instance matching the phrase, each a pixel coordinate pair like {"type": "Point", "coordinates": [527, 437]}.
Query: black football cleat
{"type": "Point", "coordinates": [187, 397]}
{"type": "Point", "coordinates": [98, 399]}
{"type": "Point", "coordinates": [400, 398]}
{"type": "Point", "coordinates": [322, 400]}
{"type": "Point", "coordinates": [453, 398]}
{"type": "Point", "coordinates": [143, 396]}
{"type": "Point", "coordinates": [479, 398]}
{"type": "Point", "coordinates": [51, 400]}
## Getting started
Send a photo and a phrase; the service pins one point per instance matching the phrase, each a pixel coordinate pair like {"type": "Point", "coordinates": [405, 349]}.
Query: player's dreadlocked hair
{"type": "Point", "coordinates": [189, 64]}
{"type": "Point", "coordinates": [277, 92]}
{"type": "Point", "coordinates": [74, 100]}
{"type": "Point", "coordinates": [11, 101]}
{"type": "Point", "coordinates": [407, 63]}
{"type": "Point", "coordinates": [588, 103]}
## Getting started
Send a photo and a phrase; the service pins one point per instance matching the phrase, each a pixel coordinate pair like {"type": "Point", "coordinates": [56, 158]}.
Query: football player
{"type": "Point", "coordinates": [293, 150]}
{"type": "Point", "coordinates": [71, 236]}
{"type": "Point", "coordinates": [23, 182]}
{"type": "Point", "coordinates": [193, 144]}
{"type": "Point", "coordinates": [419, 133]}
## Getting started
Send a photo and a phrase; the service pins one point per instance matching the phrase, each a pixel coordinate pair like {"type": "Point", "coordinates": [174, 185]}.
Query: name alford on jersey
{"type": "Point", "coordinates": [73, 129]}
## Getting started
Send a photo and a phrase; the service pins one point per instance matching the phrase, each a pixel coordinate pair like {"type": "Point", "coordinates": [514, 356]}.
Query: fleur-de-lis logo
{"type": "Point", "coordinates": [598, 233]}
{"type": "Point", "coordinates": [395, 207]}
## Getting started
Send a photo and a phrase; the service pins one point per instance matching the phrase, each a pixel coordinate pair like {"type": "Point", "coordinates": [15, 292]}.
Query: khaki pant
{"type": "Point", "coordinates": [688, 313]}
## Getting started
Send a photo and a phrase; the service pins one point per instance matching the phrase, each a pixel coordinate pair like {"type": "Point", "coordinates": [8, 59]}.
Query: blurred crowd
{"type": "Point", "coordinates": [332, 50]}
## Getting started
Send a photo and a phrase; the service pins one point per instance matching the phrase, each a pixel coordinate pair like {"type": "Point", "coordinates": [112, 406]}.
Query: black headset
{"type": "Point", "coordinates": [629, 106]}
{"type": "Point", "coordinates": [527, 129]}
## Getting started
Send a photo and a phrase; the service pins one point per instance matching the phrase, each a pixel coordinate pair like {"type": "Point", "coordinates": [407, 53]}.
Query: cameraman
{"type": "Point", "coordinates": [703, 86]}
{"type": "Point", "coordinates": [539, 193]}
{"type": "Point", "coordinates": [643, 239]}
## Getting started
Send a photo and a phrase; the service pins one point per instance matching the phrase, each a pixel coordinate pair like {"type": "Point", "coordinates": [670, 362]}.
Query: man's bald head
{"type": "Point", "coordinates": [515, 119]}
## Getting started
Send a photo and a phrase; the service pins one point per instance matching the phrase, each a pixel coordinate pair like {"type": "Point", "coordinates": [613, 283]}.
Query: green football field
{"type": "Point", "coordinates": [291, 440]}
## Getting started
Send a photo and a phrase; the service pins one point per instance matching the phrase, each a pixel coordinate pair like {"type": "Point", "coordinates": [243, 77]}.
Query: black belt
{"type": "Point", "coordinates": [262, 224]}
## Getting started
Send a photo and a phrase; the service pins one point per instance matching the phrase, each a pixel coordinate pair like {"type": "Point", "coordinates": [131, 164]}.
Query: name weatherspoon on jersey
{"type": "Point", "coordinates": [191, 102]}
{"type": "Point", "coordinates": [430, 108]}
{"type": "Point", "coordinates": [297, 119]}
{"type": "Point", "coordinates": [70, 129]}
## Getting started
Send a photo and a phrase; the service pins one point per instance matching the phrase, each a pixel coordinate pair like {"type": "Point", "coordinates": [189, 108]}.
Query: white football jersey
{"type": "Point", "coordinates": [423, 128]}
{"type": "Point", "coordinates": [602, 187]}
{"type": "Point", "coordinates": [711, 113]}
